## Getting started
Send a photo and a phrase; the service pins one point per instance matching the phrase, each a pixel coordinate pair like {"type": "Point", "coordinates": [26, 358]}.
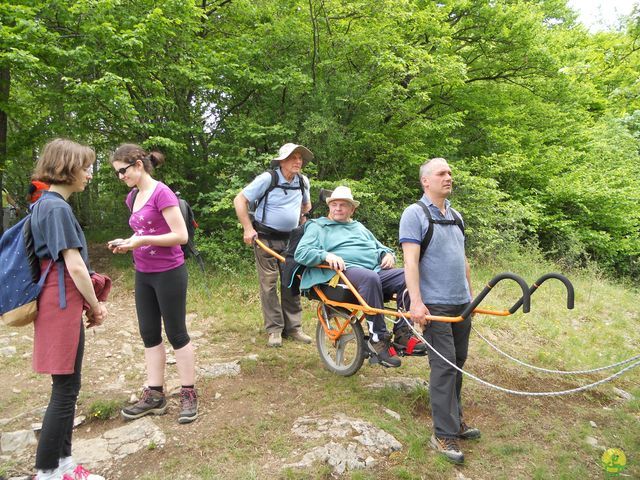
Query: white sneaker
{"type": "Point", "coordinates": [66, 465]}
{"type": "Point", "coordinates": [47, 475]}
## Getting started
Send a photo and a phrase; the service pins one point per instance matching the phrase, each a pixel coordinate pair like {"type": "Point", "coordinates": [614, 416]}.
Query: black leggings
{"type": "Point", "coordinates": [57, 425]}
{"type": "Point", "coordinates": [162, 296]}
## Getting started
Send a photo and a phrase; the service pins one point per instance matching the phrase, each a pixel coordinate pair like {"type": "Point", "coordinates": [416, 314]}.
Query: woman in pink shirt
{"type": "Point", "coordinates": [160, 280]}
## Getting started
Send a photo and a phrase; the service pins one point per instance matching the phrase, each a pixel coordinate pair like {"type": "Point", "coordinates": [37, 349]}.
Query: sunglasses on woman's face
{"type": "Point", "coordinates": [123, 170]}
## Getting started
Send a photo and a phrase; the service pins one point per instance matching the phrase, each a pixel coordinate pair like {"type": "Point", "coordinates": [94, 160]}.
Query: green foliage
{"type": "Point", "coordinates": [539, 118]}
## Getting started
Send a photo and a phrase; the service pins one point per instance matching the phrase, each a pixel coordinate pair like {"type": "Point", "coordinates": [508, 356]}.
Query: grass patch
{"type": "Point", "coordinates": [5, 468]}
{"type": "Point", "coordinates": [508, 449]}
{"type": "Point", "coordinates": [322, 472]}
{"type": "Point", "coordinates": [402, 473]}
{"type": "Point", "coordinates": [104, 409]}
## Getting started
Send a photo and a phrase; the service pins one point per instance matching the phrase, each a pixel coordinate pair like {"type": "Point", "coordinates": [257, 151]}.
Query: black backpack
{"type": "Point", "coordinates": [273, 185]}
{"type": "Point", "coordinates": [292, 270]}
{"type": "Point", "coordinates": [427, 236]}
{"type": "Point", "coordinates": [189, 249]}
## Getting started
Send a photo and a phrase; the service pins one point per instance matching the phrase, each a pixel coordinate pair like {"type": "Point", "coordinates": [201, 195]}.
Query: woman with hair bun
{"type": "Point", "coordinates": [58, 340]}
{"type": "Point", "coordinates": [160, 279]}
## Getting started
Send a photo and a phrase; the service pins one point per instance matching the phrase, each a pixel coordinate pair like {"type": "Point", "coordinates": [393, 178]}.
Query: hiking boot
{"type": "Point", "coordinates": [188, 405]}
{"type": "Point", "coordinates": [299, 336]}
{"type": "Point", "coordinates": [152, 402]}
{"type": "Point", "coordinates": [447, 447]}
{"type": "Point", "coordinates": [468, 433]}
{"type": "Point", "coordinates": [386, 354]}
{"type": "Point", "coordinates": [81, 473]}
{"type": "Point", "coordinates": [275, 339]}
{"type": "Point", "coordinates": [404, 338]}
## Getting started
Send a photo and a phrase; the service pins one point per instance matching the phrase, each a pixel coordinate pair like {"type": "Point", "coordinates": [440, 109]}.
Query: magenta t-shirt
{"type": "Point", "coordinates": [149, 221]}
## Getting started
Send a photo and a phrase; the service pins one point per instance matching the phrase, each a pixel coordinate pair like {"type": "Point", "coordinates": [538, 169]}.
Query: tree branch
{"type": "Point", "coordinates": [213, 10]}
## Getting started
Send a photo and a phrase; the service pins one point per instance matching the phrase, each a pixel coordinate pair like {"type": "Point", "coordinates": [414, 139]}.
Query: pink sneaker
{"type": "Point", "coordinates": [81, 473]}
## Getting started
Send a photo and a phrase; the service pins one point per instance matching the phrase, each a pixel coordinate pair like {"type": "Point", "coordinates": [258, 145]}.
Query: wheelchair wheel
{"type": "Point", "coordinates": [345, 355]}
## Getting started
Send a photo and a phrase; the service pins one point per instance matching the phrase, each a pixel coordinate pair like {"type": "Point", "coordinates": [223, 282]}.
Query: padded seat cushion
{"type": "Point", "coordinates": [339, 293]}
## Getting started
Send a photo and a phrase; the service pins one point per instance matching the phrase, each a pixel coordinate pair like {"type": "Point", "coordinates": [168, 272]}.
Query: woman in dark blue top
{"type": "Point", "coordinates": [58, 329]}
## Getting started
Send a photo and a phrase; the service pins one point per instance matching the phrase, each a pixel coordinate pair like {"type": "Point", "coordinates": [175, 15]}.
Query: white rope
{"type": "Point", "coordinates": [560, 372]}
{"type": "Point", "coordinates": [520, 392]}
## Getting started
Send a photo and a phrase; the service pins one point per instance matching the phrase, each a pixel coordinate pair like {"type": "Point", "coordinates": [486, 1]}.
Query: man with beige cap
{"type": "Point", "coordinates": [282, 198]}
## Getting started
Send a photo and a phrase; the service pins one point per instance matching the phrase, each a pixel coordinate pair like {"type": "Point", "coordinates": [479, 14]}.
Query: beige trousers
{"type": "Point", "coordinates": [282, 313]}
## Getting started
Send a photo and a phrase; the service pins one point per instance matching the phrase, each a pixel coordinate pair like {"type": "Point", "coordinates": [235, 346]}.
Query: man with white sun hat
{"type": "Point", "coordinates": [347, 245]}
{"type": "Point", "coordinates": [280, 198]}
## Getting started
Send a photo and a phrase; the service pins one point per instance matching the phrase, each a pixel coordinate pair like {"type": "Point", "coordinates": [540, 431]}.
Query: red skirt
{"type": "Point", "coordinates": [57, 330]}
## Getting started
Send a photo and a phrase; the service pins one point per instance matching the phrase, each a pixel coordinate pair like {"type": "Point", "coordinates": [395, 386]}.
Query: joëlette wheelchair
{"type": "Point", "coordinates": [340, 336]}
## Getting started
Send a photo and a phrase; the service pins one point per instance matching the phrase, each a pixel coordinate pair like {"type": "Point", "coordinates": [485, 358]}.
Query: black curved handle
{"type": "Point", "coordinates": [524, 300]}
{"type": "Point", "coordinates": [568, 285]}
{"type": "Point", "coordinates": [324, 193]}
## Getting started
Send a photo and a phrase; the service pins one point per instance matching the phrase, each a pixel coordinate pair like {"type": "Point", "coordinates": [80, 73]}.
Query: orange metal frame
{"type": "Point", "coordinates": [362, 306]}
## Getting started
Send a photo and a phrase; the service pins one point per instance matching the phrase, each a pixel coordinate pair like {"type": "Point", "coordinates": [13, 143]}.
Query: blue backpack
{"type": "Point", "coordinates": [20, 279]}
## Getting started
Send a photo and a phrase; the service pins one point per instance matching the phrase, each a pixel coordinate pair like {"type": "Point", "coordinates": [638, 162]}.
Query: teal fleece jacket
{"type": "Point", "coordinates": [350, 240]}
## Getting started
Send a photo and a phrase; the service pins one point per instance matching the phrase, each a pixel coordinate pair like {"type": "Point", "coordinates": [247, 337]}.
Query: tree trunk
{"type": "Point", "coordinates": [5, 81]}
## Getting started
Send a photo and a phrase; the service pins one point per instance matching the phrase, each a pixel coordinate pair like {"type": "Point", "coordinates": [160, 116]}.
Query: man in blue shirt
{"type": "Point", "coordinates": [282, 199]}
{"type": "Point", "coordinates": [439, 283]}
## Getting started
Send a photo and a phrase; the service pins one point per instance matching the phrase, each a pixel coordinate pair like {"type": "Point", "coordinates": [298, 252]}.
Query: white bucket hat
{"type": "Point", "coordinates": [287, 149]}
{"type": "Point", "coordinates": [343, 193]}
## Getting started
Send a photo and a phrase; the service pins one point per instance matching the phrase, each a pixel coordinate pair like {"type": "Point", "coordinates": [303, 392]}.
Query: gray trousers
{"type": "Point", "coordinates": [375, 288]}
{"type": "Point", "coordinates": [445, 382]}
{"type": "Point", "coordinates": [282, 314]}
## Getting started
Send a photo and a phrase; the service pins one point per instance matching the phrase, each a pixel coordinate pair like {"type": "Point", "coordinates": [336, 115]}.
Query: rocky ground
{"type": "Point", "coordinates": [114, 448]}
{"type": "Point", "coordinates": [276, 413]}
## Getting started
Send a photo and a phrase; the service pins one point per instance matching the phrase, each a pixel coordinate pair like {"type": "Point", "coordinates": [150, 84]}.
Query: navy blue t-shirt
{"type": "Point", "coordinates": [55, 228]}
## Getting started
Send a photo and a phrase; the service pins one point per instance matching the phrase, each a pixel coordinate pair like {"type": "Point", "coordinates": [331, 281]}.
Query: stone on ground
{"type": "Point", "coordinates": [350, 443]}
